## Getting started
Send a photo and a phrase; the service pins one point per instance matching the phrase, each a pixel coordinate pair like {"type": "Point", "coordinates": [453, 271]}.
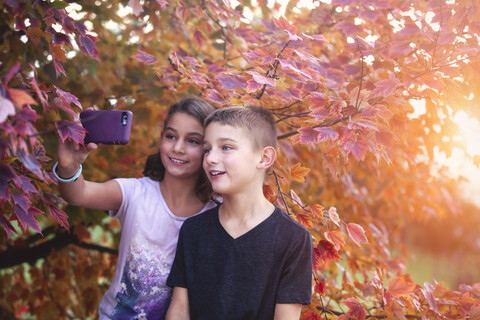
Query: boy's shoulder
{"type": "Point", "coordinates": [201, 218]}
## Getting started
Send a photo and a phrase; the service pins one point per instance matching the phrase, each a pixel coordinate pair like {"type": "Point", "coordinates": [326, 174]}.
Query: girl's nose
{"type": "Point", "coordinates": [179, 146]}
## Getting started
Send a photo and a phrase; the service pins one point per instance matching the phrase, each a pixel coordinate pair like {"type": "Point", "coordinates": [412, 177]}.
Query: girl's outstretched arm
{"type": "Point", "coordinates": [179, 309]}
{"type": "Point", "coordinates": [92, 195]}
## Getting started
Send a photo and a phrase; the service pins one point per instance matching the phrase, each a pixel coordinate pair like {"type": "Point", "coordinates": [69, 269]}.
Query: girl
{"type": "Point", "coordinates": [151, 210]}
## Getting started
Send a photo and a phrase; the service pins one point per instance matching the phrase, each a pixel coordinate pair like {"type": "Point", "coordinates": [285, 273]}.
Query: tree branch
{"type": "Point", "coordinates": [13, 256]}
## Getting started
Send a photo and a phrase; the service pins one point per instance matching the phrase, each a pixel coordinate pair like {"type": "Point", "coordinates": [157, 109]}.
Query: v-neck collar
{"type": "Point", "coordinates": [258, 228]}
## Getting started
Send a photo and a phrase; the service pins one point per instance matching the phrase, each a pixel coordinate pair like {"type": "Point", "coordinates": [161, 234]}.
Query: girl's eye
{"type": "Point", "coordinates": [169, 136]}
{"type": "Point", "coordinates": [194, 141]}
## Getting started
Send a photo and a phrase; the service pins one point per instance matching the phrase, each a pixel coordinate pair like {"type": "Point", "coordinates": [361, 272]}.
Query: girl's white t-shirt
{"type": "Point", "coordinates": [145, 254]}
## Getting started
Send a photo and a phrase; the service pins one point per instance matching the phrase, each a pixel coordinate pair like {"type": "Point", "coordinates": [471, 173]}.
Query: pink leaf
{"type": "Point", "coordinates": [68, 97]}
{"type": "Point", "coordinates": [384, 88]}
{"type": "Point", "coordinates": [144, 57]}
{"type": "Point", "coordinates": [332, 213]}
{"type": "Point", "coordinates": [358, 149]}
{"type": "Point", "coordinates": [317, 37]}
{"type": "Point", "coordinates": [6, 109]}
{"type": "Point", "coordinates": [137, 8]}
{"type": "Point", "coordinates": [12, 71]}
{"type": "Point", "coordinates": [70, 130]}
{"type": "Point", "coordinates": [261, 79]}
{"type": "Point", "coordinates": [326, 134]}
{"type": "Point", "coordinates": [357, 233]}
{"type": "Point", "coordinates": [308, 135]}
{"type": "Point", "coordinates": [163, 4]}
{"type": "Point", "coordinates": [297, 199]}
{"type": "Point", "coordinates": [59, 216]}
{"type": "Point", "coordinates": [30, 163]}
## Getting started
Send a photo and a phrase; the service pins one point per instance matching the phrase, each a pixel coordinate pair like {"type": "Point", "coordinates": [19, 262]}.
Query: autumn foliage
{"type": "Point", "coordinates": [356, 163]}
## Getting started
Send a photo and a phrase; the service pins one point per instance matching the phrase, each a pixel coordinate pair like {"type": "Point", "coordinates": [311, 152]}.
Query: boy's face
{"type": "Point", "coordinates": [230, 159]}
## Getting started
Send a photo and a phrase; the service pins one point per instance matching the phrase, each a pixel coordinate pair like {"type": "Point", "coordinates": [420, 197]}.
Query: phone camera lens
{"type": "Point", "coordinates": [124, 119]}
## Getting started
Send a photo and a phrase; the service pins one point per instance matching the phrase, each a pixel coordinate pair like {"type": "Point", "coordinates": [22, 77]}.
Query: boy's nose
{"type": "Point", "coordinates": [211, 157]}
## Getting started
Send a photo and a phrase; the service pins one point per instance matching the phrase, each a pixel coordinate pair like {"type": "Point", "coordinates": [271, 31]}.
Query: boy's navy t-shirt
{"type": "Point", "coordinates": [242, 278]}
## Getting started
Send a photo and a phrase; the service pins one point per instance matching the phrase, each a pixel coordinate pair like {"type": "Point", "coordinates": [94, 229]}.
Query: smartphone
{"type": "Point", "coordinates": [107, 126]}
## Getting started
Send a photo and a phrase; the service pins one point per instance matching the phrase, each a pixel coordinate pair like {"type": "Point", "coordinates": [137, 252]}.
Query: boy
{"type": "Point", "coordinates": [245, 259]}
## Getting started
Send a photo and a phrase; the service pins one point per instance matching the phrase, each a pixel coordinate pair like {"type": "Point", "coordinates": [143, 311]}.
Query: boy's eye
{"type": "Point", "coordinates": [226, 148]}
{"type": "Point", "coordinates": [205, 151]}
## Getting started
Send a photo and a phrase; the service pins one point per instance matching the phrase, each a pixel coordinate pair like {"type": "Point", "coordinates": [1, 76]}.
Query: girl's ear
{"type": "Point", "coordinates": [267, 159]}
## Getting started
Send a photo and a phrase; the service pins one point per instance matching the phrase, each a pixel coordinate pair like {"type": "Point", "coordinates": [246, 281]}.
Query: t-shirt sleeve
{"type": "Point", "coordinates": [127, 186]}
{"type": "Point", "coordinates": [296, 280]}
{"type": "Point", "coordinates": [177, 277]}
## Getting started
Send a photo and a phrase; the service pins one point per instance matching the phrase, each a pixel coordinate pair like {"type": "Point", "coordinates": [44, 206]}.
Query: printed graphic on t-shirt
{"type": "Point", "coordinates": [143, 293]}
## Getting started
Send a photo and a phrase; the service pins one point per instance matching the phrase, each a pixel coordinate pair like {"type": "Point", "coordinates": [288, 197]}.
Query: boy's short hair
{"type": "Point", "coordinates": [258, 123]}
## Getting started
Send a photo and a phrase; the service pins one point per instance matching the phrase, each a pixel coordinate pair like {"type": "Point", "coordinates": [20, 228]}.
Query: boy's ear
{"type": "Point", "coordinates": [267, 158]}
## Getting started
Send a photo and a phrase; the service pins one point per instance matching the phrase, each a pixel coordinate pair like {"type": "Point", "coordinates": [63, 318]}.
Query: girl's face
{"type": "Point", "coordinates": [181, 147]}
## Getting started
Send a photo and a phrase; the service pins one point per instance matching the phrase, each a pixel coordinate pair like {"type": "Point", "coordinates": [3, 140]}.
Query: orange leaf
{"type": "Point", "coordinates": [305, 220]}
{"type": "Point", "coordinates": [337, 238]}
{"type": "Point", "coordinates": [317, 211]}
{"type": "Point", "coordinates": [21, 97]}
{"type": "Point", "coordinates": [332, 213]}
{"type": "Point", "coordinates": [309, 315]}
{"type": "Point", "coordinates": [397, 287]}
{"type": "Point", "coordinates": [268, 191]}
{"type": "Point", "coordinates": [298, 172]}
{"type": "Point", "coordinates": [357, 233]}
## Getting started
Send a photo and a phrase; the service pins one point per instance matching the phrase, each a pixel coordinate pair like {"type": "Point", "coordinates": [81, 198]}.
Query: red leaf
{"type": "Point", "coordinates": [308, 135]}
{"type": "Point", "coordinates": [6, 109]}
{"type": "Point", "coordinates": [199, 37]}
{"type": "Point", "coordinates": [332, 214]}
{"type": "Point", "coordinates": [357, 233]}
{"type": "Point", "coordinates": [70, 130]}
{"type": "Point", "coordinates": [326, 134]}
{"type": "Point", "coordinates": [337, 238]}
{"type": "Point", "coordinates": [59, 216]}
{"type": "Point", "coordinates": [21, 201]}
{"type": "Point", "coordinates": [398, 287]}
{"type": "Point", "coordinates": [326, 251]}
{"type": "Point", "coordinates": [309, 315]}
{"type": "Point", "coordinates": [319, 288]}
{"type": "Point", "coordinates": [355, 309]}
{"type": "Point", "coordinates": [26, 219]}
{"type": "Point", "coordinates": [144, 57]}
{"type": "Point", "coordinates": [317, 211]}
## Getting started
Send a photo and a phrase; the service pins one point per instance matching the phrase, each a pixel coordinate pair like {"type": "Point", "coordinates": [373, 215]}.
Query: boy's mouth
{"type": "Point", "coordinates": [216, 173]}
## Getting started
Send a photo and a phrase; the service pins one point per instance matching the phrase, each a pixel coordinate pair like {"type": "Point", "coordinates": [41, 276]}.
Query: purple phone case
{"type": "Point", "coordinates": [107, 126]}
